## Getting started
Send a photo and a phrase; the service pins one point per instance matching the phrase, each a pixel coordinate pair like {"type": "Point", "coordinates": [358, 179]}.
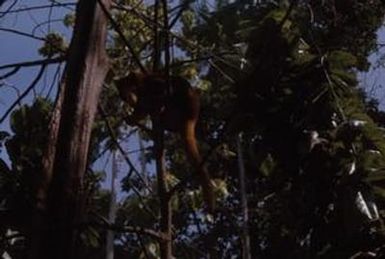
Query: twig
{"type": "Point", "coordinates": [115, 141]}
{"type": "Point", "coordinates": [182, 8]}
{"type": "Point", "coordinates": [31, 8]}
{"type": "Point", "coordinates": [34, 63]}
{"type": "Point", "coordinates": [224, 74]}
{"type": "Point", "coordinates": [10, 73]}
{"type": "Point", "coordinates": [49, 22]}
{"type": "Point", "coordinates": [128, 161]}
{"type": "Point", "coordinates": [22, 34]}
{"type": "Point", "coordinates": [24, 94]}
{"type": "Point", "coordinates": [115, 227]}
{"type": "Point", "coordinates": [156, 53]}
{"type": "Point", "coordinates": [26, 9]}
{"type": "Point", "coordinates": [9, 8]}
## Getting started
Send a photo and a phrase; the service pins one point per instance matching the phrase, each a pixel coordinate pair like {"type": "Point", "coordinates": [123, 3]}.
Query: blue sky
{"type": "Point", "coordinates": [374, 80]}
{"type": "Point", "coordinates": [17, 48]}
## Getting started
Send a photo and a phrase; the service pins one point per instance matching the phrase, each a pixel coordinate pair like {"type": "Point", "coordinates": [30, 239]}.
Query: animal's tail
{"type": "Point", "coordinates": [201, 171]}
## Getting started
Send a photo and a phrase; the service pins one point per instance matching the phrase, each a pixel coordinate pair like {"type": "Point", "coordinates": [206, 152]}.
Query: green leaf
{"type": "Point", "coordinates": [267, 166]}
{"type": "Point", "coordinates": [341, 60]}
{"type": "Point", "coordinates": [54, 44]}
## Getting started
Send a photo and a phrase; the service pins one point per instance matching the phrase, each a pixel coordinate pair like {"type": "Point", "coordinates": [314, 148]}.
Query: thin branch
{"type": "Point", "coordinates": [14, 89]}
{"type": "Point", "coordinates": [224, 74]}
{"type": "Point", "coordinates": [24, 94]}
{"type": "Point", "coordinates": [10, 73]}
{"type": "Point", "coordinates": [182, 8]}
{"type": "Point", "coordinates": [49, 22]}
{"type": "Point", "coordinates": [69, 8]}
{"type": "Point", "coordinates": [156, 52]}
{"type": "Point", "coordinates": [29, 35]}
{"type": "Point", "coordinates": [31, 8]}
{"type": "Point", "coordinates": [34, 63]}
{"type": "Point", "coordinates": [22, 34]}
{"type": "Point", "coordinates": [245, 237]}
{"type": "Point", "coordinates": [115, 141]}
{"type": "Point", "coordinates": [117, 28]}
{"type": "Point", "coordinates": [9, 8]}
{"type": "Point", "coordinates": [204, 58]}
{"type": "Point", "coordinates": [50, 17]}
{"type": "Point", "coordinates": [131, 229]}
{"type": "Point", "coordinates": [166, 42]}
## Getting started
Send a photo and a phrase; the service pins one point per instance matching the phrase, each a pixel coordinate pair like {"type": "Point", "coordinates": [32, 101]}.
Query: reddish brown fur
{"type": "Point", "coordinates": [178, 111]}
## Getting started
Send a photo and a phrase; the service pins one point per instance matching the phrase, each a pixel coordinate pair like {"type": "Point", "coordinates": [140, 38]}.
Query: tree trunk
{"type": "Point", "coordinates": [113, 207]}
{"type": "Point", "coordinates": [246, 254]}
{"type": "Point", "coordinates": [164, 199]}
{"type": "Point", "coordinates": [61, 193]}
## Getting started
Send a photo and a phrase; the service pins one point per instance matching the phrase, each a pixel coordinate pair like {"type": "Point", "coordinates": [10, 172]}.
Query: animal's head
{"type": "Point", "coordinates": [128, 87]}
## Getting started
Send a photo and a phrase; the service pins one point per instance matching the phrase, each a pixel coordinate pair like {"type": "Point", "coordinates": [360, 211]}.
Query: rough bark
{"type": "Point", "coordinates": [61, 192]}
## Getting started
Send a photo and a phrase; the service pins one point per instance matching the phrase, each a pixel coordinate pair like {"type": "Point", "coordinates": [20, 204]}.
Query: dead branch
{"type": "Point", "coordinates": [22, 34]}
{"type": "Point", "coordinates": [33, 63]}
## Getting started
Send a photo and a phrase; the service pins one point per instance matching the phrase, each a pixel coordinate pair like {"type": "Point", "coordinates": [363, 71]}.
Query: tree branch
{"type": "Point", "coordinates": [22, 34]}
{"type": "Point", "coordinates": [24, 94]}
{"type": "Point", "coordinates": [26, 9]}
{"type": "Point", "coordinates": [115, 227]}
{"type": "Point", "coordinates": [34, 63]}
{"type": "Point", "coordinates": [9, 8]}
{"type": "Point", "coordinates": [182, 8]}
{"type": "Point", "coordinates": [115, 141]}
{"type": "Point", "coordinates": [17, 66]}
{"type": "Point", "coordinates": [10, 73]}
